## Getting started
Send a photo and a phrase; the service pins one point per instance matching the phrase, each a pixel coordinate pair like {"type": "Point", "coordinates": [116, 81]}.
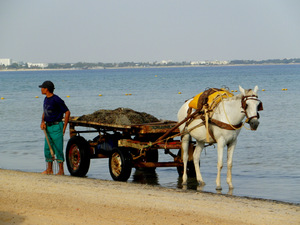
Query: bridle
{"type": "Point", "coordinates": [244, 106]}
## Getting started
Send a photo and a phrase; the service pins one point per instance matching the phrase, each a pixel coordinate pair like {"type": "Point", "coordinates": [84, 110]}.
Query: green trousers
{"type": "Point", "coordinates": [56, 138]}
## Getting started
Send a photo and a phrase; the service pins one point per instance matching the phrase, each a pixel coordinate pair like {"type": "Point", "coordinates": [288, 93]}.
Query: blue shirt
{"type": "Point", "coordinates": [54, 109]}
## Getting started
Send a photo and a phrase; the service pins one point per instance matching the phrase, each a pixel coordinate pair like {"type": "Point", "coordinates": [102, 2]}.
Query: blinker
{"type": "Point", "coordinates": [260, 107]}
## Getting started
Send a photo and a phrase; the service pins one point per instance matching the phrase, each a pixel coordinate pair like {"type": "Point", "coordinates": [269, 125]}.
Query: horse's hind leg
{"type": "Point", "coordinates": [230, 150]}
{"type": "Point", "coordinates": [185, 142]}
{"type": "Point", "coordinates": [220, 164]}
{"type": "Point", "coordinates": [196, 159]}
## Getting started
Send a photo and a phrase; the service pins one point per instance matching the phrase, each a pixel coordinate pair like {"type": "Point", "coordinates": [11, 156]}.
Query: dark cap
{"type": "Point", "coordinates": [47, 84]}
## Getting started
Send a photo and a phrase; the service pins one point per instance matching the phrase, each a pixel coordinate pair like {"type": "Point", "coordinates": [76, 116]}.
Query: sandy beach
{"type": "Point", "coordinates": [33, 198]}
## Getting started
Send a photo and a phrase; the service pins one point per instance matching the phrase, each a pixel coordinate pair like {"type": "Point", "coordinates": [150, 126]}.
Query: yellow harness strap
{"type": "Point", "coordinates": [213, 99]}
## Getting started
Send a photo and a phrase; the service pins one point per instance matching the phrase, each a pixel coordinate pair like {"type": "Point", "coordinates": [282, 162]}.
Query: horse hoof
{"type": "Point", "coordinates": [202, 183]}
{"type": "Point", "coordinates": [230, 192]}
{"type": "Point", "coordinates": [200, 188]}
{"type": "Point", "coordinates": [218, 188]}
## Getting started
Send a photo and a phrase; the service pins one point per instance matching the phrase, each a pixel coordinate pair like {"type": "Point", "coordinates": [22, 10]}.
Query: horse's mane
{"type": "Point", "coordinates": [235, 97]}
{"type": "Point", "coordinates": [239, 96]}
{"type": "Point", "coordinates": [249, 92]}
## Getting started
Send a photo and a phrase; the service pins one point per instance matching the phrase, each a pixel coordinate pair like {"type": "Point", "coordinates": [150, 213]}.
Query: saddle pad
{"type": "Point", "coordinates": [214, 99]}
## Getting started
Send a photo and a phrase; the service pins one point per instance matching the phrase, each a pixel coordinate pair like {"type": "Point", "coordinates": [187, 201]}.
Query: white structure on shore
{"type": "Point", "coordinates": [165, 62]}
{"type": "Point", "coordinates": [5, 62]}
{"type": "Point", "coordinates": [40, 65]}
{"type": "Point", "coordinates": [216, 62]}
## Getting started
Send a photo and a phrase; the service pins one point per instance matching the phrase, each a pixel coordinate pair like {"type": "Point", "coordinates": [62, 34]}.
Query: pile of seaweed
{"type": "Point", "coordinates": [119, 116]}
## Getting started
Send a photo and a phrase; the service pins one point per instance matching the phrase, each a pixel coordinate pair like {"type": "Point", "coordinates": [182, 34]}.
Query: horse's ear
{"type": "Point", "coordinates": [242, 90]}
{"type": "Point", "coordinates": [255, 89]}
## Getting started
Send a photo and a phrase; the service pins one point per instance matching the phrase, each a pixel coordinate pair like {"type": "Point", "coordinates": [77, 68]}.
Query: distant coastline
{"type": "Point", "coordinates": [10, 65]}
{"type": "Point", "coordinates": [142, 67]}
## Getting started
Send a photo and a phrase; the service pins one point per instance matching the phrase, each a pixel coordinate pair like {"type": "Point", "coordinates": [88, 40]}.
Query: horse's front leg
{"type": "Point", "coordinates": [230, 150]}
{"type": "Point", "coordinates": [196, 158]}
{"type": "Point", "coordinates": [220, 163]}
{"type": "Point", "coordinates": [185, 142]}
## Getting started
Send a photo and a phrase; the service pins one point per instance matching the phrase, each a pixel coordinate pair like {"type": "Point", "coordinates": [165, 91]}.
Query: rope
{"type": "Point", "coordinates": [171, 137]}
{"type": "Point", "coordinates": [246, 127]}
{"type": "Point", "coordinates": [212, 110]}
{"type": "Point", "coordinates": [200, 124]}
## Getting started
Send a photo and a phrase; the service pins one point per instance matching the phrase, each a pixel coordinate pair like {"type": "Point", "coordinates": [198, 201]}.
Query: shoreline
{"type": "Point", "coordinates": [227, 195]}
{"type": "Point", "coordinates": [33, 198]}
{"type": "Point", "coordinates": [151, 67]}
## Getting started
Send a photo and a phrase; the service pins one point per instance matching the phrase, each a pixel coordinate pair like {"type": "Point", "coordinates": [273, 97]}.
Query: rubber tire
{"type": "Point", "coordinates": [190, 168]}
{"type": "Point", "coordinates": [78, 156]}
{"type": "Point", "coordinates": [120, 164]}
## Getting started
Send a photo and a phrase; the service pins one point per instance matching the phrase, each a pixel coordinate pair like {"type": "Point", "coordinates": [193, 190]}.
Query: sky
{"type": "Point", "coordinates": [70, 31]}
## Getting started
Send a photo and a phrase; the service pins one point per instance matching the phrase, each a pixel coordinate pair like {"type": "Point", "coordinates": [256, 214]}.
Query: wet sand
{"type": "Point", "coordinates": [33, 198]}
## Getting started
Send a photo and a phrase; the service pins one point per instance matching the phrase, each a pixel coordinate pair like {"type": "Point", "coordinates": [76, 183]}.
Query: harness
{"type": "Point", "coordinates": [244, 106]}
{"type": "Point", "coordinates": [207, 110]}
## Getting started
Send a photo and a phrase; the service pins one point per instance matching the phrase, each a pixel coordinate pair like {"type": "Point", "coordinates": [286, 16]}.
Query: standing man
{"type": "Point", "coordinates": [54, 111]}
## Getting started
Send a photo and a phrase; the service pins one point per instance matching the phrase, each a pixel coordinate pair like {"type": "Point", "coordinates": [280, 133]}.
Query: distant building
{"type": "Point", "coordinates": [40, 65]}
{"type": "Point", "coordinates": [198, 63]}
{"type": "Point", "coordinates": [216, 62]}
{"type": "Point", "coordinates": [5, 62]}
{"type": "Point", "coordinates": [165, 62]}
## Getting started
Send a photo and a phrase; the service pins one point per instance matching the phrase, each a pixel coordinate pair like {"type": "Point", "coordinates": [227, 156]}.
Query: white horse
{"type": "Point", "coordinates": [231, 112]}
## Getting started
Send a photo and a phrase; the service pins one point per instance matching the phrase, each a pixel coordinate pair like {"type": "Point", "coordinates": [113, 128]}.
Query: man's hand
{"type": "Point", "coordinates": [43, 126]}
{"type": "Point", "coordinates": [67, 116]}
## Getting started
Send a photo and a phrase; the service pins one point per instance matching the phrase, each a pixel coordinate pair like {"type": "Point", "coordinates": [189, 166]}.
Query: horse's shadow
{"type": "Point", "coordinates": [192, 184]}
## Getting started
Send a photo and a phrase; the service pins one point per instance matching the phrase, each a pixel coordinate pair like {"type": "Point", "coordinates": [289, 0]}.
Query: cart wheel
{"type": "Point", "coordinates": [120, 164]}
{"type": "Point", "coordinates": [77, 156]}
{"type": "Point", "coordinates": [190, 168]}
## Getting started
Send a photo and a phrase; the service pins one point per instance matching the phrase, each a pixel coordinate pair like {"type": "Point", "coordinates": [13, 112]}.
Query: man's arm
{"type": "Point", "coordinates": [67, 116]}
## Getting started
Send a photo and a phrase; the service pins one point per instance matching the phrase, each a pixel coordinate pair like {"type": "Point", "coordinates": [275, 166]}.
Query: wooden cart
{"type": "Point", "coordinates": [126, 146]}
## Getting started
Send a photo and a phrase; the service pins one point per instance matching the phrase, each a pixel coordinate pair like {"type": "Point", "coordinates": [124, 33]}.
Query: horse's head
{"type": "Point", "coordinates": [251, 105]}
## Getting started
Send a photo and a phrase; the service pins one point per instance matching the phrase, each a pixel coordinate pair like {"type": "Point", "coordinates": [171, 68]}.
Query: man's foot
{"type": "Point", "coordinates": [60, 173]}
{"type": "Point", "coordinates": [48, 172]}
{"type": "Point", "coordinates": [61, 169]}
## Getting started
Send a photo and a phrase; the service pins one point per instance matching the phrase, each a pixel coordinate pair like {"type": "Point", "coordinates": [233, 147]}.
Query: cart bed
{"type": "Point", "coordinates": [147, 128]}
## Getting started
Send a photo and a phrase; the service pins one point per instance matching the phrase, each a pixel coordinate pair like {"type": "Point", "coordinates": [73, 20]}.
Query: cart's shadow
{"type": "Point", "coordinates": [144, 176]}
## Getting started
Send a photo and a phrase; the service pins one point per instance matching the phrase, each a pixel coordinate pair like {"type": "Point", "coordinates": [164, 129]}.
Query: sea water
{"type": "Point", "coordinates": [265, 163]}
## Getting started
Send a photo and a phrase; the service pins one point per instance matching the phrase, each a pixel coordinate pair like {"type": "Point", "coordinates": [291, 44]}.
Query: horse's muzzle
{"type": "Point", "coordinates": [253, 123]}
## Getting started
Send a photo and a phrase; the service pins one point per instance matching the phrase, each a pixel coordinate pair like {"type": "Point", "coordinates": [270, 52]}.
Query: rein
{"type": "Point", "coordinates": [206, 121]}
{"type": "Point", "coordinates": [226, 126]}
